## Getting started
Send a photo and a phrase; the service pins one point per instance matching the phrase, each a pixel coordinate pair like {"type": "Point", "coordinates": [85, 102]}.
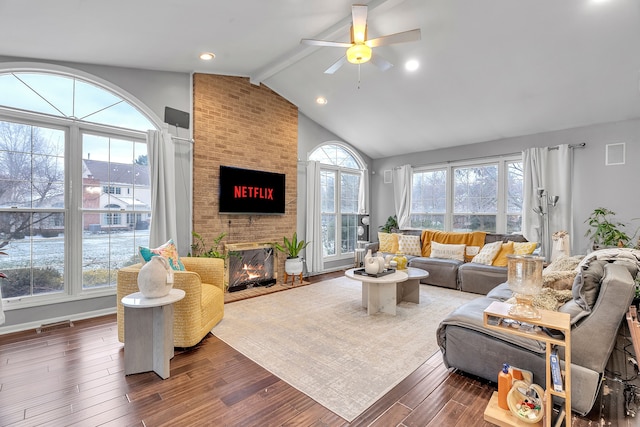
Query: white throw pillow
{"type": "Point", "coordinates": [409, 245]}
{"type": "Point", "coordinates": [488, 253]}
{"type": "Point", "coordinates": [441, 250]}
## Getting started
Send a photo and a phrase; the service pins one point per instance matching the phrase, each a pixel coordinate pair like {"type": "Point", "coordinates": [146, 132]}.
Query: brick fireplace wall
{"type": "Point", "coordinates": [239, 124]}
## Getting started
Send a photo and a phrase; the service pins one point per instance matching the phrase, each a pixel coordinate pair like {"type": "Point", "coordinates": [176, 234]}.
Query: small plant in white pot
{"type": "Point", "coordinates": [292, 248]}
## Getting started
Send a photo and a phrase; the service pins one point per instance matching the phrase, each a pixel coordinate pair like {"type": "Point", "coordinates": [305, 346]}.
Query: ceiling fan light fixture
{"type": "Point", "coordinates": [359, 54]}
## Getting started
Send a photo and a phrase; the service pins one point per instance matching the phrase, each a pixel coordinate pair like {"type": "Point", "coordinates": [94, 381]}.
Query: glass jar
{"type": "Point", "coordinates": [401, 260]}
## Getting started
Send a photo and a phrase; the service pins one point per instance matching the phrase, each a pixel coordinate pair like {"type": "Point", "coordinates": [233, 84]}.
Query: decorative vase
{"type": "Point", "coordinates": [293, 266]}
{"type": "Point", "coordinates": [371, 263]}
{"type": "Point", "coordinates": [401, 260]}
{"type": "Point", "coordinates": [155, 279]}
{"type": "Point", "coordinates": [381, 266]}
{"type": "Point", "coordinates": [524, 277]}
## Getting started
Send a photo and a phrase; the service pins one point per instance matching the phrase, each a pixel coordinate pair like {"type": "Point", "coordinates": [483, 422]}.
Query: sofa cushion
{"type": "Point", "coordinates": [587, 284]}
{"type": "Point", "coordinates": [501, 259]}
{"type": "Point", "coordinates": [560, 274]}
{"type": "Point", "coordinates": [487, 253]}
{"type": "Point", "coordinates": [388, 242]}
{"type": "Point", "coordinates": [167, 250]}
{"type": "Point", "coordinates": [524, 248]}
{"type": "Point", "coordinates": [409, 245]}
{"type": "Point", "coordinates": [447, 251]}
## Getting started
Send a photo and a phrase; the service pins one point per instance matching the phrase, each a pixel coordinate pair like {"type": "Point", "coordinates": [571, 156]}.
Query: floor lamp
{"type": "Point", "coordinates": [550, 202]}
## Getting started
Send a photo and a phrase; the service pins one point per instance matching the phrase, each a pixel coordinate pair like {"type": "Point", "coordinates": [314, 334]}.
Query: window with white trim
{"type": "Point", "coordinates": [485, 195]}
{"type": "Point", "coordinates": [57, 129]}
{"type": "Point", "coordinates": [340, 175]}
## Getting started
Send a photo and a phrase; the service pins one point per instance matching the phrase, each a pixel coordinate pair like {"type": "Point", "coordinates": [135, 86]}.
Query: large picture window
{"type": "Point", "coordinates": [471, 196]}
{"type": "Point", "coordinates": [65, 238]}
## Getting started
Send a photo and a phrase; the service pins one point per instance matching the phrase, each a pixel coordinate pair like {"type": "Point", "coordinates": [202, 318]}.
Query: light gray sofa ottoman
{"type": "Point", "coordinates": [467, 345]}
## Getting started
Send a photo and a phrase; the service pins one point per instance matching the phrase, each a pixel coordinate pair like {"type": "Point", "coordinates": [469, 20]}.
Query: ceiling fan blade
{"type": "Point", "coordinates": [380, 62]}
{"type": "Point", "coordinates": [336, 65]}
{"type": "Point", "coordinates": [359, 16]}
{"type": "Point", "coordinates": [314, 42]}
{"type": "Point", "coordinates": [405, 36]}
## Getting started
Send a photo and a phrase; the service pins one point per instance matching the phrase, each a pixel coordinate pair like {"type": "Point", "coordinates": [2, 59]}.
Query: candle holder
{"type": "Point", "coordinates": [524, 277]}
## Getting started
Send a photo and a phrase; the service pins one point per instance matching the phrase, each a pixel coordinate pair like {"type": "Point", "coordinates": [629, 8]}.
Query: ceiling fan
{"type": "Point", "coordinates": [360, 49]}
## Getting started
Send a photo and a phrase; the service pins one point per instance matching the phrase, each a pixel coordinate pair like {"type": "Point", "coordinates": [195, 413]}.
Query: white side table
{"type": "Point", "coordinates": [148, 332]}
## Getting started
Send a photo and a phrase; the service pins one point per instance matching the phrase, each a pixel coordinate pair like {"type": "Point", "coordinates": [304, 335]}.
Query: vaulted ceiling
{"type": "Point", "coordinates": [489, 69]}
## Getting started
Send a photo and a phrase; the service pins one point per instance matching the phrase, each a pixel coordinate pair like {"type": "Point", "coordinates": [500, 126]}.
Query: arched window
{"type": "Point", "coordinates": [60, 127]}
{"type": "Point", "coordinates": [341, 179]}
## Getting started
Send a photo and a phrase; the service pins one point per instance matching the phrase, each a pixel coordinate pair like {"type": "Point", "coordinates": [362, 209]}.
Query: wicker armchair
{"type": "Point", "coordinates": [200, 310]}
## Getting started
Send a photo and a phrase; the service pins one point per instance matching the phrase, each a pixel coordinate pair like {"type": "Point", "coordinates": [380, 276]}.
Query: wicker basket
{"type": "Point", "coordinates": [520, 399]}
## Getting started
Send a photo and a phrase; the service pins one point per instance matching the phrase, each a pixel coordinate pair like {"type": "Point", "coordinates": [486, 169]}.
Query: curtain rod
{"type": "Point", "coordinates": [178, 138]}
{"type": "Point", "coordinates": [580, 145]}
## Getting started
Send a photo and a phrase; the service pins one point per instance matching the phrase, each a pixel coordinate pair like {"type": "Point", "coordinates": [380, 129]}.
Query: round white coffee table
{"type": "Point", "coordinates": [148, 332]}
{"type": "Point", "coordinates": [379, 293]}
{"type": "Point", "coordinates": [410, 289]}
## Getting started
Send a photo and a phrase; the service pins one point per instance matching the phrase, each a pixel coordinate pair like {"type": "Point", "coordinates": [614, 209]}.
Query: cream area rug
{"type": "Point", "coordinates": [320, 340]}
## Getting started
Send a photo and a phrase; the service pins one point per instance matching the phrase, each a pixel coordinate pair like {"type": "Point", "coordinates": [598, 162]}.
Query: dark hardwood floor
{"type": "Point", "coordinates": [74, 376]}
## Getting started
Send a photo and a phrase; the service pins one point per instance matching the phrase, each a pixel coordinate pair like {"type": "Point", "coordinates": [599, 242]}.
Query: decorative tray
{"type": "Point", "coordinates": [361, 272]}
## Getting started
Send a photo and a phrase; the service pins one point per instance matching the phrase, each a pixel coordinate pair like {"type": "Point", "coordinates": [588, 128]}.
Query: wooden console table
{"type": "Point", "coordinates": [634, 329]}
{"type": "Point", "coordinates": [496, 313]}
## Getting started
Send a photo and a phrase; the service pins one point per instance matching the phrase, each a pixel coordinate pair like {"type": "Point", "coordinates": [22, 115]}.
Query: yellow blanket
{"type": "Point", "coordinates": [474, 238]}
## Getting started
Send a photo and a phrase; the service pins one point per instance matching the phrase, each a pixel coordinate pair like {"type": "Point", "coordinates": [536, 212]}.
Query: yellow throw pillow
{"type": "Point", "coordinates": [524, 248]}
{"type": "Point", "coordinates": [409, 244]}
{"type": "Point", "coordinates": [388, 242]}
{"type": "Point", "coordinates": [501, 259]}
{"type": "Point", "coordinates": [488, 253]}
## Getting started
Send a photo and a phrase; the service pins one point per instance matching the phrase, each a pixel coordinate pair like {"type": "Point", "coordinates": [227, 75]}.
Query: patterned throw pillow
{"type": "Point", "coordinates": [440, 250]}
{"type": "Point", "coordinates": [168, 250]}
{"type": "Point", "coordinates": [488, 253]}
{"type": "Point", "coordinates": [388, 242]}
{"type": "Point", "coordinates": [524, 248]}
{"type": "Point", "coordinates": [501, 259]}
{"type": "Point", "coordinates": [409, 245]}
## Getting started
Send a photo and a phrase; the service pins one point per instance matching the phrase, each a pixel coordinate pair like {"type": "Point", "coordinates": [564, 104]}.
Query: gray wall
{"type": "Point", "coordinates": [594, 183]}
{"type": "Point", "coordinates": [154, 89]}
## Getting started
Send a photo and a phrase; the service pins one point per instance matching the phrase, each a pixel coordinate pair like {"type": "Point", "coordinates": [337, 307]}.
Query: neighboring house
{"type": "Point", "coordinates": [120, 189]}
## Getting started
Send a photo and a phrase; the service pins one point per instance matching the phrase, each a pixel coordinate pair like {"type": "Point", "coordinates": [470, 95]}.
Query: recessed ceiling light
{"type": "Point", "coordinates": [411, 65]}
{"type": "Point", "coordinates": [321, 100]}
{"type": "Point", "coordinates": [207, 56]}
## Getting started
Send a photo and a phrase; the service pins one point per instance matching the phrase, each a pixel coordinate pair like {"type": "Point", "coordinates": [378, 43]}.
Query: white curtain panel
{"type": "Point", "coordinates": [551, 170]}
{"type": "Point", "coordinates": [363, 191]}
{"type": "Point", "coordinates": [402, 195]}
{"type": "Point", "coordinates": [163, 201]}
{"type": "Point", "coordinates": [314, 221]}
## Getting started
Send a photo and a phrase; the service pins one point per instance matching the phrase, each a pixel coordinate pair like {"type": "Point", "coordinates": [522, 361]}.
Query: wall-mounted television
{"type": "Point", "coordinates": [247, 191]}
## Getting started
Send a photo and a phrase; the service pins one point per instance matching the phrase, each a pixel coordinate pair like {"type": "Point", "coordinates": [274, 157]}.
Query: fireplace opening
{"type": "Point", "coordinates": [250, 268]}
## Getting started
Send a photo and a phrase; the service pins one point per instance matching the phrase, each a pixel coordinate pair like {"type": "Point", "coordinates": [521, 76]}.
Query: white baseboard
{"type": "Point", "coordinates": [78, 316]}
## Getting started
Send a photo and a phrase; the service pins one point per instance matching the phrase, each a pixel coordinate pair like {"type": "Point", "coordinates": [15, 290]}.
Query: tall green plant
{"type": "Point", "coordinates": [291, 247]}
{"type": "Point", "coordinates": [604, 231]}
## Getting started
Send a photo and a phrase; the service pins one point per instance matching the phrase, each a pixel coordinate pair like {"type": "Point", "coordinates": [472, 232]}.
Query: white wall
{"type": "Point", "coordinates": [594, 185]}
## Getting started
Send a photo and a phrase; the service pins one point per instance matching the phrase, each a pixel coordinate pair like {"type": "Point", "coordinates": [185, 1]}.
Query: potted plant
{"type": "Point", "coordinates": [292, 248]}
{"type": "Point", "coordinates": [604, 231]}
{"type": "Point", "coordinates": [199, 247]}
{"type": "Point", "coordinates": [391, 225]}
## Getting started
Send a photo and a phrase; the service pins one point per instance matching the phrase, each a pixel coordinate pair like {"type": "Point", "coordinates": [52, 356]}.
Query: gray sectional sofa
{"type": "Point", "coordinates": [602, 293]}
{"type": "Point", "coordinates": [448, 273]}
